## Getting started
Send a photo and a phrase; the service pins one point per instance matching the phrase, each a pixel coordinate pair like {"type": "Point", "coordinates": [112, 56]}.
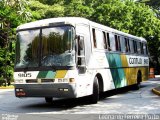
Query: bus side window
{"type": "Point", "coordinates": [142, 51]}
{"type": "Point", "coordinates": [108, 41]}
{"type": "Point", "coordinates": [127, 47]}
{"type": "Point", "coordinates": [139, 47]}
{"type": "Point", "coordinates": [100, 39]}
{"type": "Point", "coordinates": [81, 46]}
{"type": "Point", "coordinates": [81, 51]}
{"type": "Point", "coordinates": [135, 46]}
{"type": "Point", "coordinates": [112, 42]}
{"type": "Point", "coordinates": [131, 44]}
{"type": "Point", "coordinates": [117, 43]}
{"type": "Point", "coordinates": [94, 38]}
{"type": "Point", "coordinates": [122, 41]}
{"type": "Point", "coordinates": [105, 40]}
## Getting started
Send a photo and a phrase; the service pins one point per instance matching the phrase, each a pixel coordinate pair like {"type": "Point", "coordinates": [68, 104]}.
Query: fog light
{"type": "Point", "coordinates": [65, 89]}
{"type": "Point", "coordinates": [60, 89]}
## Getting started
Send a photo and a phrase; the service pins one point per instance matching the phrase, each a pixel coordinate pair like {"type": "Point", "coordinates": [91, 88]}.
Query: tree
{"type": "Point", "coordinates": [12, 13]}
{"type": "Point", "coordinates": [52, 2]}
{"type": "Point", "coordinates": [43, 11]}
{"type": "Point", "coordinates": [78, 9]}
{"type": "Point", "coordinates": [153, 3]}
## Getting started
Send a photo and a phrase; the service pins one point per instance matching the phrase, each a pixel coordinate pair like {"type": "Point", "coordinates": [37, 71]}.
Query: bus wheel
{"type": "Point", "coordinates": [49, 99]}
{"type": "Point", "coordinates": [95, 96]}
{"type": "Point", "coordinates": [139, 80]}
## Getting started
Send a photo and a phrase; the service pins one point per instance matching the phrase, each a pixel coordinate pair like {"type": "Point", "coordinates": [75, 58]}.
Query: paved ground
{"type": "Point", "coordinates": [127, 101]}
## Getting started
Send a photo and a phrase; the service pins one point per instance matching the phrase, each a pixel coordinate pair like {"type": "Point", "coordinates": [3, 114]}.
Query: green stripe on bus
{"type": "Point", "coordinates": [42, 74]}
{"type": "Point", "coordinates": [50, 75]}
{"type": "Point", "coordinates": [46, 74]}
{"type": "Point", "coordinates": [118, 74]}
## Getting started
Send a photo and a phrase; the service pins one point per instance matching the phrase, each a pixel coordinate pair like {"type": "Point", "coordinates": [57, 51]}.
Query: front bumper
{"type": "Point", "coordinates": [59, 90]}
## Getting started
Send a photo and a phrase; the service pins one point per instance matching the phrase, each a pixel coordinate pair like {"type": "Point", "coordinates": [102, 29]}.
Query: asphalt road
{"type": "Point", "coordinates": [125, 101]}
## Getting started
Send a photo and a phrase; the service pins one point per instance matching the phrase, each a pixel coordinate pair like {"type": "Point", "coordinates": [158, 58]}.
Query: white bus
{"type": "Point", "coordinates": [71, 57]}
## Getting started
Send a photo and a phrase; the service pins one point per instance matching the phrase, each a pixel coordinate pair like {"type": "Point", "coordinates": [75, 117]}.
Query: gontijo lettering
{"type": "Point", "coordinates": [135, 60]}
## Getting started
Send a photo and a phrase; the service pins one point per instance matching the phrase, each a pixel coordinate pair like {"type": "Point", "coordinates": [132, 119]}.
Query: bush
{"type": "Point", "coordinates": [3, 82]}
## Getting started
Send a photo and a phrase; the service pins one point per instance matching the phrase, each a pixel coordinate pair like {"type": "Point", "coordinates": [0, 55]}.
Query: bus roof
{"type": "Point", "coordinates": [73, 21]}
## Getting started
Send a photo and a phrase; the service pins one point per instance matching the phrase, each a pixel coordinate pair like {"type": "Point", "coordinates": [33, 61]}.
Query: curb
{"type": "Point", "coordinates": [156, 91]}
{"type": "Point", "coordinates": [7, 87]}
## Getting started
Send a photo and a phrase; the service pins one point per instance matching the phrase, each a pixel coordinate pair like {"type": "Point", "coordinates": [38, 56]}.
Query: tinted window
{"type": "Point", "coordinates": [117, 43]}
{"type": "Point", "coordinates": [122, 41]}
{"type": "Point", "coordinates": [105, 40]}
{"type": "Point", "coordinates": [27, 49]}
{"type": "Point", "coordinates": [100, 39]}
{"type": "Point", "coordinates": [112, 43]}
{"type": "Point", "coordinates": [142, 51]}
{"type": "Point", "coordinates": [138, 47]}
{"type": "Point", "coordinates": [108, 41]}
{"type": "Point", "coordinates": [94, 37]}
{"type": "Point", "coordinates": [135, 46]}
{"type": "Point", "coordinates": [127, 47]}
{"type": "Point", "coordinates": [131, 46]}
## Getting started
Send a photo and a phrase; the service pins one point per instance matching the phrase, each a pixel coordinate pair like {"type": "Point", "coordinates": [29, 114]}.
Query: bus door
{"type": "Point", "coordinates": [81, 61]}
{"type": "Point", "coordinates": [83, 47]}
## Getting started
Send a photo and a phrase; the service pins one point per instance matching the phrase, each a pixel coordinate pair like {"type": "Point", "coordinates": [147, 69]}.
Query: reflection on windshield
{"type": "Point", "coordinates": [56, 46]}
{"type": "Point", "coordinates": [64, 59]}
{"type": "Point", "coordinates": [53, 46]}
{"type": "Point", "coordinates": [27, 48]}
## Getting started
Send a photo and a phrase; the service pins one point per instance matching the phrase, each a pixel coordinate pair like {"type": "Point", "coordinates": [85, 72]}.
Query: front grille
{"type": "Point", "coordinates": [47, 80]}
{"type": "Point", "coordinates": [39, 80]}
{"type": "Point", "coordinates": [31, 81]}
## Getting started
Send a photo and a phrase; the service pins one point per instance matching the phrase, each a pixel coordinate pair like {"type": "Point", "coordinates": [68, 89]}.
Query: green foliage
{"type": "Point", "coordinates": [153, 3]}
{"type": "Point", "coordinates": [78, 9]}
{"type": "Point", "coordinates": [12, 14]}
{"type": "Point", "coordinates": [52, 2]}
{"type": "Point", "coordinates": [42, 11]}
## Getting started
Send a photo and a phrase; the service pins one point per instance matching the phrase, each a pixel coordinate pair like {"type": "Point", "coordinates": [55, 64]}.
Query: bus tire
{"type": "Point", "coordinates": [95, 96]}
{"type": "Point", "coordinates": [48, 99]}
{"type": "Point", "coordinates": [139, 80]}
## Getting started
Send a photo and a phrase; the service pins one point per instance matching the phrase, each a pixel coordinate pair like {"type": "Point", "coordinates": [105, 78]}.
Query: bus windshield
{"type": "Point", "coordinates": [52, 46]}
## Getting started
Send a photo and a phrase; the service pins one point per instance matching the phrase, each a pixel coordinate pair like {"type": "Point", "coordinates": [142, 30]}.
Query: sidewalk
{"type": "Point", "coordinates": [156, 90]}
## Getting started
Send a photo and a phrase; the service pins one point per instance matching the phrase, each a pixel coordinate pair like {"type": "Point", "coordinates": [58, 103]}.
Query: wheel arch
{"type": "Point", "coordinates": [139, 76]}
{"type": "Point", "coordinates": [100, 81]}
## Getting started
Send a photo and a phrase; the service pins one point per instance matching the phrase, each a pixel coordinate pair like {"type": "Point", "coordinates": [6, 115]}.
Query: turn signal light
{"type": "Point", "coordinates": [71, 80]}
